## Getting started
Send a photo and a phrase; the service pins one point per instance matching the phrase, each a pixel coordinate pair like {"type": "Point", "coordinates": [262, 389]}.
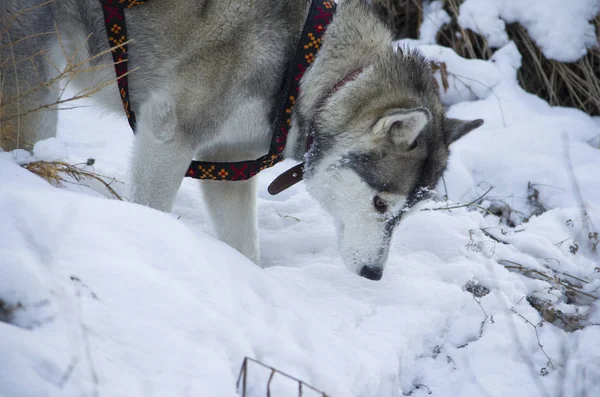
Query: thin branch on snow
{"type": "Point", "coordinates": [537, 336]}
{"type": "Point", "coordinates": [67, 375]}
{"type": "Point", "coordinates": [586, 220]}
{"type": "Point", "coordinates": [530, 365]}
{"type": "Point", "coordinates": [470, 204]}
{"type": "Point", "coordinates": [419, 385]}
{"type": "Point", "coordinates": [86, 342]}
{"type": "Point", "coordinates": [243, 378]}
{"type": "Point", "coordinates": [482, 324]}
{"type": "Point", "coordinates": [459, 77]}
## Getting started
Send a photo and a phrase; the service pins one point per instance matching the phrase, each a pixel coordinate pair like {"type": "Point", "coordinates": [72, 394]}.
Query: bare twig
{"type": "Point", "coordinates": [419, 385]}
{"type": "Point", "coordinates": [537, 336]}
{"type": "Point", "coordinates": [586, 220]}
{"type": "Point", "coordinates": [86, 344]}
{"type": "Point", "coordinates": [67, 375]}
{"type": "Point", "coordinates": [244, 373]}
{"type": "Point", "coordinates": [490, 235]}
{"type": "Point", "coordinates": [470, 204]}
{"type": "Point", "coordinates": [17, 87]}
{"type": "Point", "coordinates": [481, 325]}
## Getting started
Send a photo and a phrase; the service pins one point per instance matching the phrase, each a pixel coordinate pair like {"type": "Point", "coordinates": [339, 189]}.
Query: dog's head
{"type": "Point", "coordinates": [380, 142]}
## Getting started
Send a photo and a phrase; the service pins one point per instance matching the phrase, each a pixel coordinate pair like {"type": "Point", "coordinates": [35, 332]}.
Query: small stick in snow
{"type": "Point", "coordinates": [269, 383]}
{"type": "Point", "coordinates": [244, 372]}
{"type": "Point", "coordinates": [537, 336]}
{"type": "Point", "coordinates": [67, 375]}
{"type": "Point", "coordinates": [470, 204]}
{"type": "Point", "coordinates": [418, 385]}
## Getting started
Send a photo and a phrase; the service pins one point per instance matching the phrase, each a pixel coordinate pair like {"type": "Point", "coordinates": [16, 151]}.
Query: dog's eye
{"type": "Point", "coordinates": [380, 204]}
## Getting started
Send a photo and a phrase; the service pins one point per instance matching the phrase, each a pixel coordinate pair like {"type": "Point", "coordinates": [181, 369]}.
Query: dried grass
{"type": "Point", "coordinates": [10, 134]}
{"type": "Point", "coordinates": [55, 171]}
{"type": "Point", "coordinates": [569, 288]}
{"type": "Point", "coordinates": [574, 84]}
{"type": "Point", "coordinates": [403, 16]}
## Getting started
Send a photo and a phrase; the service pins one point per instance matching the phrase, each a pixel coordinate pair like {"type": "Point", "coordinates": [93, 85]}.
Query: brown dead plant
{"type": "Point", "coordinates": [569, 287]}
{"type": "Point", "coordinates": [55, 172]}
{"type": "Point", "coordinates": [73, 65]}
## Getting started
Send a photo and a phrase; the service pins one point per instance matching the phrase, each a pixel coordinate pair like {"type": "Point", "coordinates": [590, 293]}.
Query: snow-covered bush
{"type": "Point", "coordinates": [557, 39]}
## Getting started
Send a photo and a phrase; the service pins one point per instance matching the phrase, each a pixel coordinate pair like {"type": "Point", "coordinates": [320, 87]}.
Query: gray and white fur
{"type": "Point", "coordinates": [205, 84]}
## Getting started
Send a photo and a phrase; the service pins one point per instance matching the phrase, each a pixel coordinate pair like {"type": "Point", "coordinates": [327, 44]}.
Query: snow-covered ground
{"type": "Point", "coordinates": [109, 298]}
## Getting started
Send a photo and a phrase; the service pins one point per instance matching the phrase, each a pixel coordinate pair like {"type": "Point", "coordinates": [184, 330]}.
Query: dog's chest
{"type": "Point", "coordinates": [245, 133]}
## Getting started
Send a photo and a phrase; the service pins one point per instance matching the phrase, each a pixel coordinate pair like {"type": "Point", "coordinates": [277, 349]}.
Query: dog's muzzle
{"type": "Point", "coordinates": [371, 273]}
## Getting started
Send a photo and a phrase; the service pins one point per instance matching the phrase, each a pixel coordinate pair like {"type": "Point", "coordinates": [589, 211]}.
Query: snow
{"type": "Point", "coordinates": [50, 149]}
{"type": "Point", "coordinates": [115, 299]}
{"type": "Point", "coordinates": [434, 16]}
{"type": "Point", "coordinates": [562, 29]}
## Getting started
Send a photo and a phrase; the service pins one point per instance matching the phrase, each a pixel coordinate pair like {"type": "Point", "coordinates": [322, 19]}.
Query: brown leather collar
{"type": "Point", "coordinates": [287, 179]}
{"type": "Point", "coordinates": [296, 173]}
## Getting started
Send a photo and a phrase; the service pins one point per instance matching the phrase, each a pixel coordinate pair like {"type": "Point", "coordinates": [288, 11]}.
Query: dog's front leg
{"type": "Point", "coordinates": [232, 208]}
{"type": "Point", "coordinates": [162, 153]}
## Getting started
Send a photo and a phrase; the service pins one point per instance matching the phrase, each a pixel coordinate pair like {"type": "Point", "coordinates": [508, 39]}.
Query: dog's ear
{"type": "Point", "coordinates": [401, 125]}
{"type": "Point", "coordinates": [454, 129]}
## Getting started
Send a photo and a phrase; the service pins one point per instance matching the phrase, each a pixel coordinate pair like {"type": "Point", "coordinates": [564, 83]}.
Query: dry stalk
{"type": "Point", "coordinates": [551, 362]}
{"type": "Point", "coordinates": [473, 203]}
{"type": "Point", "coordinates": [403, 16]}
{"type": "Point", "coordinates": [588, 225]}
{"type": "Point", "coordinates": [243, 379]}
{"type": "Point", "coordinates": [487, 318]}
{"type": "Point", "coordinates": [539, 275]}
{"type": "Point", "coordinates": [575, 84]}
{"type": "Point", "coordinates": [85, 339]}
{"type": "Point", "coordinates": [10, 120]}
{"type": "Point", "coordinates": [65, 76]}
{"type": "Point", "coordinates": [570, 322]}
{"type": "Point", "coordinates": [443, 69]}
{"type": "Point", "coordinates": [18, 89]}
{"type": "Point", "coordinates": [53, 172]}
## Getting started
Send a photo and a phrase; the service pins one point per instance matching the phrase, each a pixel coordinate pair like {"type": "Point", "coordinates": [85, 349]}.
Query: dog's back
{"type": "Point", "coordinates": [217, 46]}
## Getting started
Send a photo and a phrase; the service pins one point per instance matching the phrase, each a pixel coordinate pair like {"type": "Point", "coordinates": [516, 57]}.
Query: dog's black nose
{"type": "Point", "coordinates": [371, 273]}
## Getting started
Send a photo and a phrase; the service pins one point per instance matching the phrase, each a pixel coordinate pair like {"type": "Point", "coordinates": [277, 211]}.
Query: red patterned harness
{"type": "Point", "coordinates": [319, 16]}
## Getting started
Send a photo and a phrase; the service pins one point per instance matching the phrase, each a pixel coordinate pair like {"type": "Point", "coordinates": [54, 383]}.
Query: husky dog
{"type": "Point", "coordinates": [205, 82]}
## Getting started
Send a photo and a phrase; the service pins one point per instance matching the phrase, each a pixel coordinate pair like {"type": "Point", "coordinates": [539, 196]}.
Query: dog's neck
{"type": "Point", "coordinates": [354, 39]}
